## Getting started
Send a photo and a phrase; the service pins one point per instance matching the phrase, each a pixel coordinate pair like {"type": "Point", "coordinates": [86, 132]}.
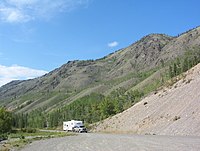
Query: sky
{"type": "Point", "coordinates": [37, 36]}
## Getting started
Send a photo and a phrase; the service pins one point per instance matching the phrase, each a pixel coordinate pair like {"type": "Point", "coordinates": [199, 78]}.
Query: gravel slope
{"type": "Point", "coordinates": [172, 111]}
{"type": "Point", "coordinates": [117, 142]}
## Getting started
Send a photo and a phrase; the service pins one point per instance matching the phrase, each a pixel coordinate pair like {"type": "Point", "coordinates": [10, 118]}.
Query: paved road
{"type": "Point", "coordinates": [116, 142]}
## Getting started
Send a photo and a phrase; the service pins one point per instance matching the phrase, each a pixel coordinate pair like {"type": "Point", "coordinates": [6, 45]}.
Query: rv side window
{"type": "Point", "coordinates": [65, 125]}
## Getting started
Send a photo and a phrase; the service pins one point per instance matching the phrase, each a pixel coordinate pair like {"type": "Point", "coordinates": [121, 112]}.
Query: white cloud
{"type": "Point", "coordinates": [13, 15]}
{"type": "Point", "coordinates": [113, 44]}
{"type": "Point", "coordinates": [18, 11]}
{"type": "Point", "coordinates": [15, 72]}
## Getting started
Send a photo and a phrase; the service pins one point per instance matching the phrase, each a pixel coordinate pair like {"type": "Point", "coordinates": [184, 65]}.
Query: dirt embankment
{"type": "Point", "coordinates": [174, 110]}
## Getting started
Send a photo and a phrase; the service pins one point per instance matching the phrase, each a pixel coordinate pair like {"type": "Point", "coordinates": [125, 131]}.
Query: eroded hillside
{"type": "Point", "coordinates": [173, 110]}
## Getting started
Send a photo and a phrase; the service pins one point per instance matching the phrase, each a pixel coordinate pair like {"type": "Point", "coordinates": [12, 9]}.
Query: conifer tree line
{"type": "Point", "coordinates": [90, 109]}
{"type": "Point", "coordinates": [182, 64]}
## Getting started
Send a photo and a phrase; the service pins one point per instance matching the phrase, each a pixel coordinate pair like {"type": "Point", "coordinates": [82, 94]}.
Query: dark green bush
{"type": "Point", "coordinates": [28, 130]}
{"type": "Point", "coordinates": [5, 121]}
{"type": "Point", "coordinates": [3, 136]}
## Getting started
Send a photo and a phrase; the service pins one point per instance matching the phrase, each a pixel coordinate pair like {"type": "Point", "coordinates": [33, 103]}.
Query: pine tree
{"type": "Point", "coordinates": [171, 73]}
{"type": "Point", "coordinates": [175, 70]}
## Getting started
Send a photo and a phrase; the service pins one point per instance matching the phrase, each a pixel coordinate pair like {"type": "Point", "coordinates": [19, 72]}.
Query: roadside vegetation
{"type": "Point", "coordinates": [5, 123]}
{"type": "Point", "coordinates": [18, 138]}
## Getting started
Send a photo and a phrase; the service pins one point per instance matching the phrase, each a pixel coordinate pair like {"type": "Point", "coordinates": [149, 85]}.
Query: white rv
{"type": "Point", "coordinates": [74, 125]}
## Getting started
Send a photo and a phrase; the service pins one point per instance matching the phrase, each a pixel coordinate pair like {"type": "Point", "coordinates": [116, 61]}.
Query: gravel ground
{"type": "Point", "coordinates": [117, 142]}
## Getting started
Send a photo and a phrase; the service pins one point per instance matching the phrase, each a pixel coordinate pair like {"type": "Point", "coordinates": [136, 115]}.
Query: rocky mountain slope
{"type": "Point", "coordinates": [76, 79]}
{"type": "Point", "coordinates": [173, 110]}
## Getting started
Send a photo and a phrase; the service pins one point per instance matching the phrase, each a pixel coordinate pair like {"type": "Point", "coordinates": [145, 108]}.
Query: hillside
{"type": "Point", "coordinates": [173, 110]}
{"type": "Point", "coordinates": [125, 68]}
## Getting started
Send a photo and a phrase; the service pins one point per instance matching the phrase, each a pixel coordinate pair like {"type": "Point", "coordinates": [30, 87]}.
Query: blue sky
{"type": "Point", "coordinates": [37, 36]}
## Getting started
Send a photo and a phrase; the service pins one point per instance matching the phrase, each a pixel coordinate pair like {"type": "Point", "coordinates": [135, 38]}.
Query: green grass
{"type": "Point", "coordinates": [19, 139]}
{"type": "Point", "coordinates": [39, 133]}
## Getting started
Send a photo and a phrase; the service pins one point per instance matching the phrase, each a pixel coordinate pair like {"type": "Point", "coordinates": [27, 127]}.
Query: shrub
{"type": "Point", "coordinates": [22, 137]}
{"type": "Point", "coordinates": [176, 118]}
{"type": "Point", "coordinates": [5, 121]}
{"type": "Point", "coordinates": [28, 130]}
{"type": "Point", "coordinates": [3, 136]}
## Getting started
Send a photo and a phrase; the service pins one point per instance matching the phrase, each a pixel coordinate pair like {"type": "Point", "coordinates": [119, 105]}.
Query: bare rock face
{"type": "Point", "coordinates": [174, 110]}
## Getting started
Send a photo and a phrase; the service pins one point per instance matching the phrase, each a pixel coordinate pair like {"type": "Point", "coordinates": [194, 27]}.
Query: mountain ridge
{"type": "Point", "coordinates": [78, 78]}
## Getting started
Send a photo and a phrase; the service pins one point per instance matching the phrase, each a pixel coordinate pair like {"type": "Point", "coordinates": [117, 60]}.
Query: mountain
{"type": "Point", "coordinates": [173, 110]}
{"type": "Point", "coordinates": [79, 78]}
